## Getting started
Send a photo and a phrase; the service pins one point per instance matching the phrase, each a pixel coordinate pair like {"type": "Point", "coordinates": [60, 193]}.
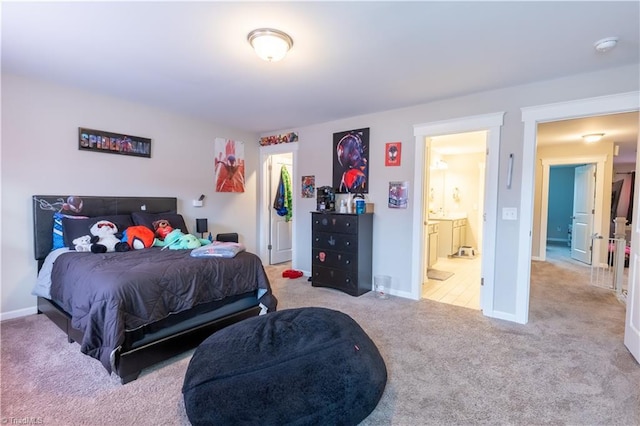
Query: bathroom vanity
{"type": "Point", "coordinates": [452, 233]}
{"type": "Point", "coordinates": [432, 229]}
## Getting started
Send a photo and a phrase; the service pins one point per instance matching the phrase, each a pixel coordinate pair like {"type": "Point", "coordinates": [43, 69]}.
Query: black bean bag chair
{"type": "Point", "coordinates": [297, 366]}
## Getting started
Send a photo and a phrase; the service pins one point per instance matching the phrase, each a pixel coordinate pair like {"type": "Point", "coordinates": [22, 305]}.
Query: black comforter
{"type": "Point", "coordinates": [107, 294]}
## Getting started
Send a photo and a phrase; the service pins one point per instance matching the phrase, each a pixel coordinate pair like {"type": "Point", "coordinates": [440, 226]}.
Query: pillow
{"type": "Point", "coordinates": [218, 249]}
{"type": "Point", "coordinates": [147, 219]}
{"type": "Point", "coordinates": [58, 229]}
{"type": "Point", "coordinates": [74, 228]}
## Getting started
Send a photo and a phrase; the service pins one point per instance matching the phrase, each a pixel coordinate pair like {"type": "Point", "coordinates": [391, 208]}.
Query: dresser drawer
{"type": "Point", "coordinates": [334, 259]}
{"type": "Point", "coordinates": [343, 223]}
{"type": "Point", "coordinates": [335, 278]}
{"type": "Point", "coordinates": [347, 243]}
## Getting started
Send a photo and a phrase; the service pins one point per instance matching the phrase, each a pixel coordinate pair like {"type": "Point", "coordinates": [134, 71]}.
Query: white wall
{"type": "Point", "coordinates": [463, 173]}
{"type": "Point", "coordinates": [393, 228]}
{"type": "Point", "coordinates": [40, 156]}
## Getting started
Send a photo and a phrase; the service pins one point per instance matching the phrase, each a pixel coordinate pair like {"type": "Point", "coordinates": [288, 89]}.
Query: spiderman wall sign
{"type": "Point", "coordinates": [393, 154]}
{"type": "Point", "coordinates": [113, 143]}
{"type": "Point", "coordinates": [351, 161]}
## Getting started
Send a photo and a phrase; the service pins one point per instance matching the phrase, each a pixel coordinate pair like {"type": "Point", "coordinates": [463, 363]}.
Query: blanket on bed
{"type": "Point", "coordinates": [107, 294]}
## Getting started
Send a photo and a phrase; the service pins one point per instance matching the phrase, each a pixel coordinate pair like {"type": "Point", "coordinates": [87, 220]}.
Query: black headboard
{"type": "Point", "coordinates": [44, 206]}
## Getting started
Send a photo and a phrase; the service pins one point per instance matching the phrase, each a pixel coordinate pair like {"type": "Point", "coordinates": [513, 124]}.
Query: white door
{"type": "Point", "coordinates": [583, 211]}
{"type": "Point", "coordinates": [632, 320]}
{"type": "Point", "coordinates": [280, 243]}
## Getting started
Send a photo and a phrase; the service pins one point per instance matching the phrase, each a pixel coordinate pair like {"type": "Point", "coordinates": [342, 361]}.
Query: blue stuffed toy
{"type": "Point", "coordinates": [178, 240]}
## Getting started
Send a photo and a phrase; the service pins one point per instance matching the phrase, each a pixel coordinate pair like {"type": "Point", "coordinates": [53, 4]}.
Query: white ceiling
{"type": "Point", "coordinates": [349, 58]}
{"type": "Point", "coordinates": [621, 129]}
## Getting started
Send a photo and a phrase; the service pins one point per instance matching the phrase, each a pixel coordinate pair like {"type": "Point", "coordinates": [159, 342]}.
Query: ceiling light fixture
{"type": "Point", "coordinates": [593, 137]}
{"type": "Point", "coordinates": [605, 44]}
{"type": "Point", "coordinates": [269, 44]}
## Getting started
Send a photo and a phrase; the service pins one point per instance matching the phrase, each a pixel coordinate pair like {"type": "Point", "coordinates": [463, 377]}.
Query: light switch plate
{"type": "Point", "coordinates": [197, 203]}
{"type": "Point", "coordinates": [509, 213]}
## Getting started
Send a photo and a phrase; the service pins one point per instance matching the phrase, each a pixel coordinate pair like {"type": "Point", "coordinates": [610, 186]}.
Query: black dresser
{"type": "Point", "coordinates": [341, 250]}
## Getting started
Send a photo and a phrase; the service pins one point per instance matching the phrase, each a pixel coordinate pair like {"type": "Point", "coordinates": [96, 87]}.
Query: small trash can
{"type": "Point", "coordinates": [381, 284]}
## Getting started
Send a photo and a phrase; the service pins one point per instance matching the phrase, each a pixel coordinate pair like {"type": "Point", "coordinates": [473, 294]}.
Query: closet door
{"type": "Point", "coordinates": [281, 241]}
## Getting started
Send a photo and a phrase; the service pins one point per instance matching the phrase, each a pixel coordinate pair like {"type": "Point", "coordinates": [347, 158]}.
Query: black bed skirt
{"type": "Point", "coordinates": [166, 338]}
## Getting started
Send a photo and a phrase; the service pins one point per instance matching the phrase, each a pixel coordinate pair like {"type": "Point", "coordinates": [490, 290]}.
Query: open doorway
{"type": "Point", "coordinates": [609, 161]}
{"type": "Point", "coordinates": [533, 117]}
{"type": "Point", "coordinates": [491, 123]}
{"type": "Point", "coordinates": [280, 243]}
{"type": "Point", "coordinates": [563, 244]}
{"type": "Point", "coordinates": [455, 205]}
{"type": "Point", "coordinates": [276, 233]}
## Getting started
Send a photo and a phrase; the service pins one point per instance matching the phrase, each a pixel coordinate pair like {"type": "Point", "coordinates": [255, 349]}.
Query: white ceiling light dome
{"type": "Point", "coordinates": [593, 137]}
{"type": "Point", "coordinates": [270, 44]}
{"type": "Point", "coordinates": [605, 44]}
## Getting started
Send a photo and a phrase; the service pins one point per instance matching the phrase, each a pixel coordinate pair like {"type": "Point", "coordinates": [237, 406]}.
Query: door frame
{"type": "Point", "coordinates": [599, 161]}
{"type": "Point", "coordinates": [264, 204]}
{"type": "Point", "coordinates": [531, 117]}
{"type": "Point", "coordinates": [632, 316]}
{"type": "Point", "coordinates": [491, 123]}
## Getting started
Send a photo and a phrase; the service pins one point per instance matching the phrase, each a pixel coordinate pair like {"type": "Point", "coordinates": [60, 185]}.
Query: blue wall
{"type": "Point", "coordinates": [561, 180]}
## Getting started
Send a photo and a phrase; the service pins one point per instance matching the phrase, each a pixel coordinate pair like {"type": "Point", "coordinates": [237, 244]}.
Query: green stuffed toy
{"type": "Point", "coordinates": [178, 240]}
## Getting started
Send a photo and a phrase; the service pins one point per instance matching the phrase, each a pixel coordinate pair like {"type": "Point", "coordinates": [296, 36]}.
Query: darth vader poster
{"type": "Point", "coordinates": [351, 161]}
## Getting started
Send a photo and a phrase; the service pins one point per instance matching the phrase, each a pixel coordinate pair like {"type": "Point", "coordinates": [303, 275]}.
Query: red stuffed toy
{"type": "Point", "coordinates": [138, 237]}
{"type": "Point", "coordinates": [162, 228]}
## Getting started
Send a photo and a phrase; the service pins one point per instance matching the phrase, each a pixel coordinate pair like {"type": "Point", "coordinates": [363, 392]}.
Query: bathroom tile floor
{"type": "Point", "coordinates": [461, 289]}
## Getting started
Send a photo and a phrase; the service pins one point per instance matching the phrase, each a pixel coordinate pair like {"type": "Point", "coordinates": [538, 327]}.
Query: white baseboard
{"type": "Point", "coordinates": [18, 313]}
{"type": "Point", "coordinates": [501, 315]}
{"type": "Point", "coordinates": [399, 293]}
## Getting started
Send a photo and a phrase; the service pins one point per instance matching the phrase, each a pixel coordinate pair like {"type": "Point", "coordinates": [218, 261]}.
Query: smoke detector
{"type": "Point", "coordinates": [605, 44]}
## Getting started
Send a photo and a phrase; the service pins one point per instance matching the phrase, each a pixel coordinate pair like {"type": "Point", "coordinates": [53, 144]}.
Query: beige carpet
{"type": "Point", "coordinates": [447, 365]}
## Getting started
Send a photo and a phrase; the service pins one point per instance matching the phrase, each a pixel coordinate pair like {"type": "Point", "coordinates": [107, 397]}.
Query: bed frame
{"type": "Point", "coordinates": [137, 353]}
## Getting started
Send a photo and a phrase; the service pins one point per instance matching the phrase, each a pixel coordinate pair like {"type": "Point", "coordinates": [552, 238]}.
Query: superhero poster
{"type": "Point", "coordinates": [229, 165]}
{"type": "Point", "coordinates": [393, 154]}
{"type": "Point", "coordinates": [308, 186]}
{"type": "Point", "coordinates": [398, 195]}
{"type": "Point", "coordinates": [351, 161]}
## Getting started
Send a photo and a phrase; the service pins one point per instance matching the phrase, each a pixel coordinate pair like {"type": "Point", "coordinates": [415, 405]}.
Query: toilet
{"type": "Point", "coordinates": [466, 251]}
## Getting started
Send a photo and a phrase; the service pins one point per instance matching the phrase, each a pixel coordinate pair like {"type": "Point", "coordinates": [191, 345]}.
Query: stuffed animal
{"type": "Point", "coordinates": [82, 243]}
{"type": "Point", "coordinates": [138, 237]}
{"type": "Point", "coordinates": [162, 228]}
{"type": "Point", "coordinates": [178, 240]}
{"type": "Point", "coordinates": [106, 238]}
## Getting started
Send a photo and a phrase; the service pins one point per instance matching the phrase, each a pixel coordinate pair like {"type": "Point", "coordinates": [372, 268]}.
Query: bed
{"type": "Point", "coordinates": [133, 309]}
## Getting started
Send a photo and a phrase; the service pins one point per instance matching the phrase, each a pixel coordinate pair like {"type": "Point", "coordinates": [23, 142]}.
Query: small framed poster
{"type": "Point", "coordinates": [398, 195]}
{"type": "Point", "coordinates": [308, 186]}
{"type": "Point", "coordinates": [392, 154]}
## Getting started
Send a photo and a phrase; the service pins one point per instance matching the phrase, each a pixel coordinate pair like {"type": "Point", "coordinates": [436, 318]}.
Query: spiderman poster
{"type": "Point", "coordinates": [351, 161]}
